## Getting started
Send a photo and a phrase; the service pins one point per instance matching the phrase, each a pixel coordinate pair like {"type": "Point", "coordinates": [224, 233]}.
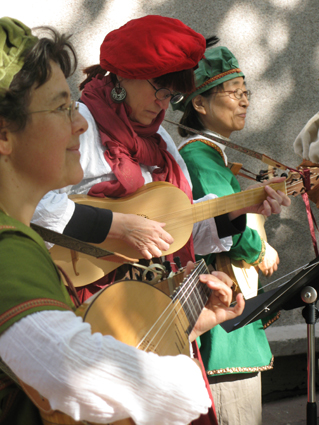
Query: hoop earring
{"type": "Point", "coordinates": [118, 93]}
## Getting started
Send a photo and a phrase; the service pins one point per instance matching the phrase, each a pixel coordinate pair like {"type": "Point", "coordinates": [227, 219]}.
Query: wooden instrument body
{"type": "Point", "coordinates": [135, 313]}
{"type": "Point", "coordinates": [244, 275]}
{"type": "Point", "coordinates": [129, 310]}
{"type": "Point", "coordinates": [158, 201]}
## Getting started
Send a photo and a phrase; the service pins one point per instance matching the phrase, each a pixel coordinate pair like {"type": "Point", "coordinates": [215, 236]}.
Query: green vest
{"type": "Point", "coordinates": [29, 282]}
{"type": "Point", "coordinates": [246, 349]}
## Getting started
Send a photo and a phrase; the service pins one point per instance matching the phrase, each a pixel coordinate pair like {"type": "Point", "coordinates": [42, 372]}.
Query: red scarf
{"type": "Point", "coordinates": [129, 144]}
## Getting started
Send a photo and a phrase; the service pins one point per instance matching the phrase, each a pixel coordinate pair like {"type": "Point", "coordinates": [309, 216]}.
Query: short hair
{"type": "Point", "coordinates": [37, 70]}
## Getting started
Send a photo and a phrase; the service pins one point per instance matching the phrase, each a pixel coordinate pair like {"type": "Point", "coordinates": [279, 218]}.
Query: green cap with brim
{"type": "Point", "coordinates": [15, 39]}
{"type": "Point", "coordinates": [218, 66]}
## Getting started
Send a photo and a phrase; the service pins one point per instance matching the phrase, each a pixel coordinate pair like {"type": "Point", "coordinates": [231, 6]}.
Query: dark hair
{"type": "Point", "coordinates": [36, 70]}
{"type": "Point", "coordinates": [180, 81]}
{"type": "Point", "coordinates": [191, 118]}
{"type": "Point", "coordinates": [91, 72]}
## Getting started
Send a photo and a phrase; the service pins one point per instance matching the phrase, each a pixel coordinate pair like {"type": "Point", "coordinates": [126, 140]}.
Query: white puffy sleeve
{"type": "Point", "coordinates": [99, 379]}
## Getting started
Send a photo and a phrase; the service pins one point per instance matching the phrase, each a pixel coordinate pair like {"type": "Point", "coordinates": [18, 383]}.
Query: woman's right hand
{"type": "Point", "coordinates": [146, 236]}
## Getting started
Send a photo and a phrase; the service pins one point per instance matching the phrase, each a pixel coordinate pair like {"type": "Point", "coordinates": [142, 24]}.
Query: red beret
{"type": "Point", "coordinates": [151, 46]}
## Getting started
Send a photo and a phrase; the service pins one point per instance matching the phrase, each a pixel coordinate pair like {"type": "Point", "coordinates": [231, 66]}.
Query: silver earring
{"type": "Point", "coordinates": [118, 93]}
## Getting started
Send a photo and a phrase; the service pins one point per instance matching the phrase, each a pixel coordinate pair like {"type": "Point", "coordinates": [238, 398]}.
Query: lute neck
{"type": "Point", "coordinates": [226, 204]}
{"type": "Point", "coordinates": [193, 294]}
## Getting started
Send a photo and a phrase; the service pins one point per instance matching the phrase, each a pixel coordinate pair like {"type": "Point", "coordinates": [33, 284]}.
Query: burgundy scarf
{"type": "Point", "coordinates": [129, 144]}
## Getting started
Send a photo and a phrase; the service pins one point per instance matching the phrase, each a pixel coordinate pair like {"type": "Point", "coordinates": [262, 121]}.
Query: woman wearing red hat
{"type": "Point", "coordinates": [144, 66]}
{"type": "Point", "coordinates": [91, 377]}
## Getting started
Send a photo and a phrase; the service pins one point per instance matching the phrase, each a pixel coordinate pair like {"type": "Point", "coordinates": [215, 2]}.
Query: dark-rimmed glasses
{"type": "Point", "coordinates": [74, 106]}
{"type": "Point", "coordinates": [238, 93]}
{"type": "Point", "coordinates": [163, 94]}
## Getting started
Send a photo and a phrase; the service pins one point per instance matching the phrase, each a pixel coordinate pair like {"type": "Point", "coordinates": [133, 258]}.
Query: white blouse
{"type": "Point", "coordinates": [99, 379]}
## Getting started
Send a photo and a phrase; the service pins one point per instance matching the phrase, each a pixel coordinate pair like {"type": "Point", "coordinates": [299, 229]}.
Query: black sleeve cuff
{"type": "Point", "coordinates": [225, 227]}
{"type": "Point", "coordinates": [89, 224]}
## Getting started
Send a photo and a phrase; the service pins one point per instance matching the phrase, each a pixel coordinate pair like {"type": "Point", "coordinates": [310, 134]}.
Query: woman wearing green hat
{"type": "Point", "coordinates": [232, 361]}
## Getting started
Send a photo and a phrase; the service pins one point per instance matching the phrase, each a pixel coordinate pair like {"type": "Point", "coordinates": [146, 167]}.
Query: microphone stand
{"type": "Point", "coordinates": [310, 314]}
{"type": "Point", "coordinates": [300, 291]}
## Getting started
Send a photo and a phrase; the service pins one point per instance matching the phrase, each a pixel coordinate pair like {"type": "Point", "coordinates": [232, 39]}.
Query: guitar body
{"type": "Point", "coordinates": [139, 315]}
{"type": "Point", "coordinates": [158, 201]}
{"type": "Point", "coordinates": [132, 311]}
{"type": "Point", "coordinates": [244, 275]}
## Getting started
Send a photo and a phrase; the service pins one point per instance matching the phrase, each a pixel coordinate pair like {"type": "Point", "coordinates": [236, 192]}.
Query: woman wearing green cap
{"type": "Point", "coordinates": [232, 361]}
{"type": "Point", "coordinates": [90, 377]}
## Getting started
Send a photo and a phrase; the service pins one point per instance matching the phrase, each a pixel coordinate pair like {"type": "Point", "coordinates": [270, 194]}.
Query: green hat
{"type": "Point", "coordinates": [218, 66]}
{"type": "Point", "coordinates": [15, 38]}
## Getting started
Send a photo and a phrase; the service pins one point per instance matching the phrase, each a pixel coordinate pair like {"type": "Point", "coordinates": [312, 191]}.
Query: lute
{"type": "Point", "coordinates": [159, 201]}
{"type": "Point", "coordinates": [166, 203]}
{"type": "Point", "coordinates": [142, 316]}
{"type": "Point", "coordinates": [243, 275]}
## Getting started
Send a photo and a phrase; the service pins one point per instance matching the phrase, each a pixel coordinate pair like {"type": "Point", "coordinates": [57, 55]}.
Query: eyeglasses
{"type": "Point", "coordinates": [70, 110]}
{"type": "Point", "coordinates": [238, 94]}
{"type": "Point", "coordinates": [163, 94]}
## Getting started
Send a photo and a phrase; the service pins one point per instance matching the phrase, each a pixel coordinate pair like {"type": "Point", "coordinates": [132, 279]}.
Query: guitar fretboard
{"type": "Point", "coordinates": [236, 201]}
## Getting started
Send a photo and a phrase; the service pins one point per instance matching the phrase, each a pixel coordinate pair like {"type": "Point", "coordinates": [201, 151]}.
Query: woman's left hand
{"type": "Point", "coordinates": [272, 205]}
{"type": "Point", "coordinates": [217, 309]}
{"type": "Point", "coordinates": [275, 199]}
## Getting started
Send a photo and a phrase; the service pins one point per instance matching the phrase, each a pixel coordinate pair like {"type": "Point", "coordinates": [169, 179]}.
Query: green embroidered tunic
{"type": "Point", "coordinates": [246, 349]}
{"type": "Point", "coordinates": [32, 283]}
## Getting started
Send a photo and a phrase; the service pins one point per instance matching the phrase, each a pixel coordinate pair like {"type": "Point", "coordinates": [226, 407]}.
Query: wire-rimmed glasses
{"type": "Point", "coordinates": [238, 93]}
{"type": "Point", "coordinates": [74, 106]}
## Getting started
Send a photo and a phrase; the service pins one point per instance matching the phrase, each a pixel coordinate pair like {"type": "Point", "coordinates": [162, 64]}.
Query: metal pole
{"type": "Point", "coordinates": [309, 296]}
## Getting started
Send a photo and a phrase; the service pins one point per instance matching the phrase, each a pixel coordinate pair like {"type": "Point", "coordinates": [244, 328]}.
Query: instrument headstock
{"type": "Point", "coordinates": [295, 183]}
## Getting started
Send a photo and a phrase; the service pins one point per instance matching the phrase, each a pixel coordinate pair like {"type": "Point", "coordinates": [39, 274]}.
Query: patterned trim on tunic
{"type": "Point", "coordinates": [261, 255]}
{"type": "Point", "coordinates": [241, 369]}
{"type": "Point", "coordinates": [208, 143]}
{"type": "Point", "coordinates": [28, 305]}
{"type": "Point", "coordinates": [271, 321]}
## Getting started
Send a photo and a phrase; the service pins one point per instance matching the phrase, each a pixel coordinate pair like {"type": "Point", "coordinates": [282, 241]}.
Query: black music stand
{"type": "Point", "coordinates": [300, 291]}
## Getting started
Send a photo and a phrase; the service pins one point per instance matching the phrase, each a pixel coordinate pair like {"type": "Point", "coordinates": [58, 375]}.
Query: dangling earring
{"type": "Point", "coordinates": [118, 93]}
